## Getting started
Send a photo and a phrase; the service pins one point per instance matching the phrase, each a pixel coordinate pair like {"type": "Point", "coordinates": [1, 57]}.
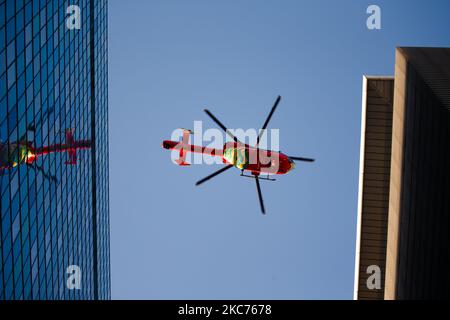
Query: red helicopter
{"type": "Point", "coordinates": [240, 155]}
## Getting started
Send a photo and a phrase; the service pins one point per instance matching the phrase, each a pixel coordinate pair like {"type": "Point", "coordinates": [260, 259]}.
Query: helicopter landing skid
{"type": "Point", "coordinates": [260, 177]}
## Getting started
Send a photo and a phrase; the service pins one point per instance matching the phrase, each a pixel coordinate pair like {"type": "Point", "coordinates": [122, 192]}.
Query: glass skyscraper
{"type": "Point", "coordinates": [54, 208]}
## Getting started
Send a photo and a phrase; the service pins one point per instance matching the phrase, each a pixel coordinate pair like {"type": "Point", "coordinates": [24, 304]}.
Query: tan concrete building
{"type": "Point", "coordinates": [403, 231]}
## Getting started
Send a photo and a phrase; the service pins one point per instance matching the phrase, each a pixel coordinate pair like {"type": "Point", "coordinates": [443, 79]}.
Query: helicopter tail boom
{"type": "Point", "coordinates": [71, 147]}
{"type": "Point", "coordinates": [184, 148]}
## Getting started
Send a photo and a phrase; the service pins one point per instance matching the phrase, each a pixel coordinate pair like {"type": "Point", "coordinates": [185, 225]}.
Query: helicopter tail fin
{"type": "Point", "coordinates": [71, 152]}
{"type": "Point", "coordinates": [181, 161]}
{"type": "Point", "coordinates": [182, 147]}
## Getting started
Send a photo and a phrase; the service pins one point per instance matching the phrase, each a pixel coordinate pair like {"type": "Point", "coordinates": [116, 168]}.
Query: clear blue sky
{"type": "Point", "coordinates": [171, 59]}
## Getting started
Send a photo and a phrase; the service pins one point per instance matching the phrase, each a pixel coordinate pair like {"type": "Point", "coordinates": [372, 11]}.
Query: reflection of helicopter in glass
{"type": "Point", "coordinates": [13, 154]}
{"type": "Point", "coordinates": [17, 153]}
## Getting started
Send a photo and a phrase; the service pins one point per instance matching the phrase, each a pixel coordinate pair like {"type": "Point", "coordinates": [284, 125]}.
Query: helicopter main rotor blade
{"type": "Point", "coordinates": [302, 159]}
{"type": "Point", "coordinates": [220, 124]}
{"type": "Point", "coordinates": [214, 174]}
{"type": "Point", "coordinates": [42, 171]}
{"type": "Point", "coordinates": [2, 174]}
{"type": "Point", "coordinates": [38, 123]}
{"type": "Point", "coordinates": [264, 127]}
{"type": "Point", "coordinates": [261, 202]}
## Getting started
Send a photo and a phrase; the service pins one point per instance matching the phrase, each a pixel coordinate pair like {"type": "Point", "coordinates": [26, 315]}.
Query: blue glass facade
{"type": "Point", "coordinates": [54, 215]}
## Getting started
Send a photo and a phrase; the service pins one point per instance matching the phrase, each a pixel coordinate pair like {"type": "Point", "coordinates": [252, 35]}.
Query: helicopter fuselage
{"type": "Point", "coordinates": [242, 156]}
